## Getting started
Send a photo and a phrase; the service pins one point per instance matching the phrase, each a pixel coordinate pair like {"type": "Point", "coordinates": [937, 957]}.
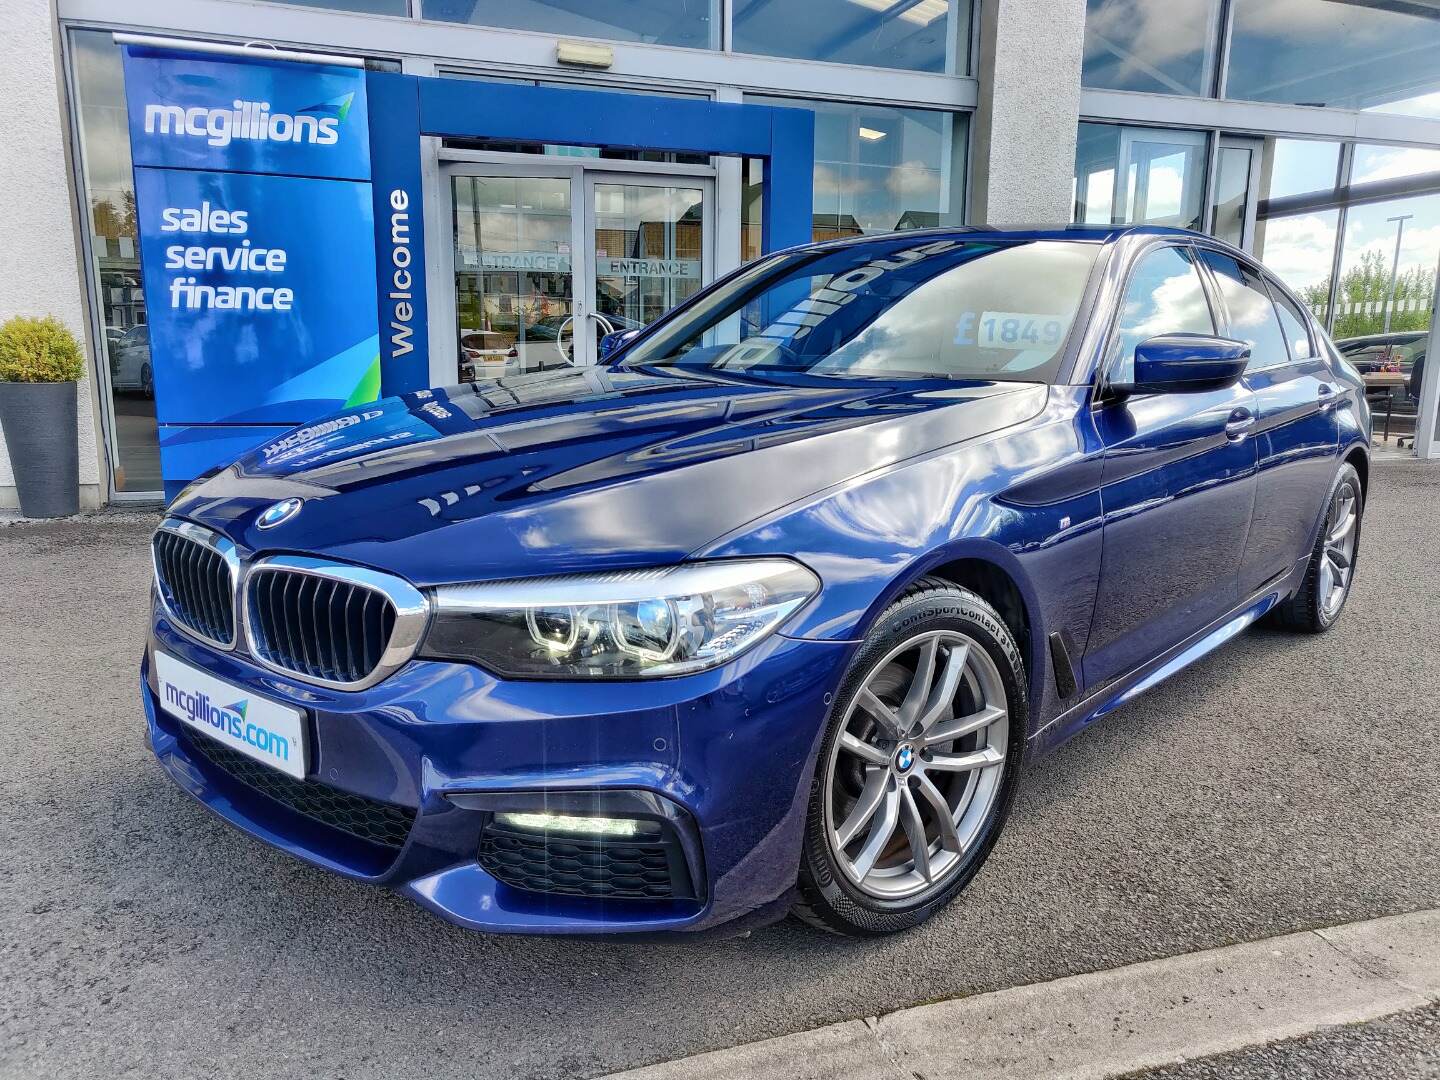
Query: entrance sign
{"type": "Point", "coordinates": [684, 269]}
{"type": "Point", "coordinates": [256, 226]}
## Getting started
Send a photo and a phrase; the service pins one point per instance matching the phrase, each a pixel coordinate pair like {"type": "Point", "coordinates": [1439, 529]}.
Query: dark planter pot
{"type": "Point", "coordinates": [42, 440]}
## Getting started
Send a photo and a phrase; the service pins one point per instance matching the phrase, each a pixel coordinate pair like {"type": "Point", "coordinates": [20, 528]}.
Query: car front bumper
{"type": "Point", "coordinates": [732, 749]}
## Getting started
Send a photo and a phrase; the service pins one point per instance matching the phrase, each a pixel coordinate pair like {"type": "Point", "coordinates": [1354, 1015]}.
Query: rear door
{"type": "Point", "coordinates": [1177, 487]}
{"type": "Point", "coordinates": [1296, 436]}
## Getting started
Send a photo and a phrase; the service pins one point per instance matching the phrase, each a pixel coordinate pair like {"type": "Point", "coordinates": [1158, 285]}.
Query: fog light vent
{"type": "Point", "coordinates": [576, 855]}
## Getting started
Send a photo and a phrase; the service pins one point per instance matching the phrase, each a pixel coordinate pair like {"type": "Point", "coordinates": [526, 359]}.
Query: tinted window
{"type": "Point", "coordinates": [656, 22]}
{"type": "Point", "coordinates": [878, 168]}
{"type": "Point", "coordinates": [1164, 296]}
{"type": "Point", "coordinates": [1252, 315]}
{"type": "Point", "coordinates": [917, 35]}
{"type": "Point", "coordinates": [1158, 46]}
{"type": "Point", "coordinates": [891, 309]}
{"type": "Point", "coordinates": [1380, 57]}
{"type": "Point", "coordinates": [1292, 322]}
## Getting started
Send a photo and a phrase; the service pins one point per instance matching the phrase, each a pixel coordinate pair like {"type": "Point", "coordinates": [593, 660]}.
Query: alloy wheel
{"type": "Point", "coordinates": [1338, 553]}
{"type": "Point", "coordinates": [917, 766]}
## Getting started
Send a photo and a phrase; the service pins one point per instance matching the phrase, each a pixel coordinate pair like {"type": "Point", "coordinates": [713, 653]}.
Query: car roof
{"type": "Point", "coordinates": [1098, 234]}
{"type": "Point", "coordinates": [1398, 337]}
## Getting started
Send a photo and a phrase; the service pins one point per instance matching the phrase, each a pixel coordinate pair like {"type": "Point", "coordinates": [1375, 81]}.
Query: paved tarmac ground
{"type": "Point", "coordinates": [1283, 783]}
{"type": "Point", "coordinates": [1405, 1046]}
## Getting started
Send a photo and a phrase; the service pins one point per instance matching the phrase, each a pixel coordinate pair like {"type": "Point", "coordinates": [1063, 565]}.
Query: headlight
{"type": "Point", "coordinates": [625, 625]}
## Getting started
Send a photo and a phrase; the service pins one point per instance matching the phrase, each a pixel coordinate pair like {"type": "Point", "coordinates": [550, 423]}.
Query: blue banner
{"type": "Point", "coordinates": [260, 293]}
{"type": "Point", "coordinates": [246, 114]}
{"type": "Point", "coordinates": [257, 239]}
{"type": "Point", "coordinates": [399, 237]}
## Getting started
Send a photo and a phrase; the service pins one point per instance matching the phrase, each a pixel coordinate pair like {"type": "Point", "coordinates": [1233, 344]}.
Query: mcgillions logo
{"type": "Point", "coordinates": [318, 124]}
{"type": "Point", "coordinates": [228, 720]}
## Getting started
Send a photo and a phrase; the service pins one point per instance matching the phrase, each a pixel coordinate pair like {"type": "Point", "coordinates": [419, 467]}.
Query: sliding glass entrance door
{"type": "Point", "coordinates": [547, 259]}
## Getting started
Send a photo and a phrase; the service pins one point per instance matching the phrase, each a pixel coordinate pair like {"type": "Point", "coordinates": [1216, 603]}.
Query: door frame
{"type": "Point", "coordinates": [1256, 145]}
{"type": "Point", "coordinates": [591, 178]}
{"type": "Point", "coordinates": [1125, 159]}
{"type": "Point", "coordinates": [583, 174]}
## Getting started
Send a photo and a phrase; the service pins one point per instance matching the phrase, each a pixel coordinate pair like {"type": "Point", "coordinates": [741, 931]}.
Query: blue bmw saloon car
{"type": "Point", "coordinates": [765, 612]}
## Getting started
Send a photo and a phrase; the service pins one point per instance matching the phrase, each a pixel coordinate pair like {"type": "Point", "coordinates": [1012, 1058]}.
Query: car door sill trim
{"type": "Point", "coordinates": [1143, 678]}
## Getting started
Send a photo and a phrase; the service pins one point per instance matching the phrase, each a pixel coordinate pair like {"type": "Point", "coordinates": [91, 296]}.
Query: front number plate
{"type": "Point", "coordinates": [264, 730]}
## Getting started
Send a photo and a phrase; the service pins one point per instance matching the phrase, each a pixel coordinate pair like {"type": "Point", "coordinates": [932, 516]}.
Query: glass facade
{"type": "Point", "coordinates": [915, 35]}
{"type": "Point", "coordinates": [1297, 204]}
{"type": "Point", "coordinates": [1387, 267]}
{"type": "Point", "coordinates": [363, 7]}
{"type": "Point", "coordinates": [1299, 246]}
{"type": "Point", "coordinates": [513, 275]}
{"type": "Point", "coordinates": [691, 23]}
{"type": "Point", "coordinates": [878, 168]}
{"type": "Point", "coordinates": [1383, 57]}
{"type": "Point", "coordinates": [1139, 175]}
{"type": "Point", "coordinates": [115, 255]}
{"type": "Point", "coordinates": [1156, 46]}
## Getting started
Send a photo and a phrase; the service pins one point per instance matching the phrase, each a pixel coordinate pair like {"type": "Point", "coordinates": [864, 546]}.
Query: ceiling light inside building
{"type": "Point", "coordinates": [871, 134]}
{"type": "Point", "coordinates": [922, 14]}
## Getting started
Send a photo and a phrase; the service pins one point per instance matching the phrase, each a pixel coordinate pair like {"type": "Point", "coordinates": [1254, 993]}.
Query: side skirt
{"type": "Point", "coordinates": [1126, 689]}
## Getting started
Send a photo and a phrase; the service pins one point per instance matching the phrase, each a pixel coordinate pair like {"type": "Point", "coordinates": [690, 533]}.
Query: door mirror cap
{"type": "Point", "coordinates": [1186, 364]}
{"type": "Point", "coordinates": [610, 344]}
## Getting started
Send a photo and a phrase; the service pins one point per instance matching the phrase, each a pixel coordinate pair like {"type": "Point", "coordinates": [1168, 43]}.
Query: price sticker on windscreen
{"type": "Point", "coordinates": [1010, 330]}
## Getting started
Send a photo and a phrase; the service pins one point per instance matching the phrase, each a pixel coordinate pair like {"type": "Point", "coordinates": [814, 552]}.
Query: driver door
{"type": "Point", "coordinates": [1177, 486]}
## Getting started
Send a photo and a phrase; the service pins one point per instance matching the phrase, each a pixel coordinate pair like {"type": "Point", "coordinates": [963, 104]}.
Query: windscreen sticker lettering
{"type": "Point", "coordinates": [1009, 330]}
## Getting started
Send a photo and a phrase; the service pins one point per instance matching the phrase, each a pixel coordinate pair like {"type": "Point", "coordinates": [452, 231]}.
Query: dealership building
{"type": "Point", "coordinates": [527, 176]}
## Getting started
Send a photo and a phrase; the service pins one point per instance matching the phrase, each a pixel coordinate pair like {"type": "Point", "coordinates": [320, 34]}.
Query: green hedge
{"type": "Point", "coordinates": [39, 351]}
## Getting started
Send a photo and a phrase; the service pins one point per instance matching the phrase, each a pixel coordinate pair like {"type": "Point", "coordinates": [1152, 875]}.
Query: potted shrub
{"type": "Point", "coordinates": [40, 362]}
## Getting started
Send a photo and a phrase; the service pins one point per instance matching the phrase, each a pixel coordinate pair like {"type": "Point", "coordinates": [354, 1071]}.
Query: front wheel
{"type": "Point", "coordinates": [1317, 604]}
{"type": "Point", "coordinates": [918, 766]}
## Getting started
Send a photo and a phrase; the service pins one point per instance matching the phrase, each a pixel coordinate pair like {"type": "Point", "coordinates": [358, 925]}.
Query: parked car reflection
{"type": "Point", "coordinates": [130, 367]}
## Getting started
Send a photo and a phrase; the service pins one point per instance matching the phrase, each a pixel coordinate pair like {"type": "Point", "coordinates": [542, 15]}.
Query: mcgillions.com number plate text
{"type": "Point", "coordinates": [264, 730]}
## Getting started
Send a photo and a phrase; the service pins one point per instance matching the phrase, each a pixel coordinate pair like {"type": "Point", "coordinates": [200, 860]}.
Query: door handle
{"type": "Point", "coordinates": [1327, 397]}
{"type": "Point", "coordinates": [1241, 421]}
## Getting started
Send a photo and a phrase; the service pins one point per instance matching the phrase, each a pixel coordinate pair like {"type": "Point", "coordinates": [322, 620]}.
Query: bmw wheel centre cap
{"type": "Point", "coordinates": [280, 512]}
{"type": "Point", "coordinates": [904, 758]}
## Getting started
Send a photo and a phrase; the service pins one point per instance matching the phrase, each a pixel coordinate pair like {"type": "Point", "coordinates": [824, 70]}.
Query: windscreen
{"type": "Point", "coordinates": [893, 309]}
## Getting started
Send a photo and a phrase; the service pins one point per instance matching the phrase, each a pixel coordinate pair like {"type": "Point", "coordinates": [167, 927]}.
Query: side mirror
{"type": "Point", "coordinates": [1186, 364]}
{"type": "Point", "coordinates": [613, 343]}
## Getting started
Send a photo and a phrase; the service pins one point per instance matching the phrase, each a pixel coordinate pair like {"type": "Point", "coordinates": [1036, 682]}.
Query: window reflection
{"type": "Point", "coordinates": [916, 35]}
{"type": "Point", "coordinates": [1139, 175]}
{"type": "Point", "coordinates": [877, 169]}
{"type": "Point", "coordinates": [1383, 57]}
{"type": "Point", "coordinates": [1296, 166]}
{"type": "Point", "coordinates": [1385, 287]}
{"type": "Point", "coordinates": [1299, 249]}
{"type": "Point", "coordinates": [896, 308]}
{"type": "Point", "coordinates": [363, 7]}
{"type": "Point", "coordinates": [1376, 163]}
{"type": "Point", "coordinates": [1156, 46]}
{"type": "Point", "coordinates": [513, 275]}
{"type": "Point", "coordinates": [1297, 335]}
{"type": "Point", "coordinates": [1252, 316]}
{"type": "Point", "coordinates": [110, 202]}
{"type": "Point", "coordinates": [1163, 296]}
{"type": "Point", "coordinates": [691, 23]}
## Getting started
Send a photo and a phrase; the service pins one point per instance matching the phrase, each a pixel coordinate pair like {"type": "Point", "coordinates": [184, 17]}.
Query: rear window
{"type": "Point", "coordinates": [895, 309]}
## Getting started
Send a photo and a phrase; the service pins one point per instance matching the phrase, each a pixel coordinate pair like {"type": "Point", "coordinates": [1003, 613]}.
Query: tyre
{"type": "Point", "coordinates": [1317, 604]}
{"type": "Point", "coordinates": [918, 766]}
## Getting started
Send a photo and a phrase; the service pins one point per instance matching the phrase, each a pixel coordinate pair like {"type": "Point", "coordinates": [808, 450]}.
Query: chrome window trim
{"type": "Point", "coordinates": [227, 551]}
{"type": "Point", "coordinates": [412, 614]}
